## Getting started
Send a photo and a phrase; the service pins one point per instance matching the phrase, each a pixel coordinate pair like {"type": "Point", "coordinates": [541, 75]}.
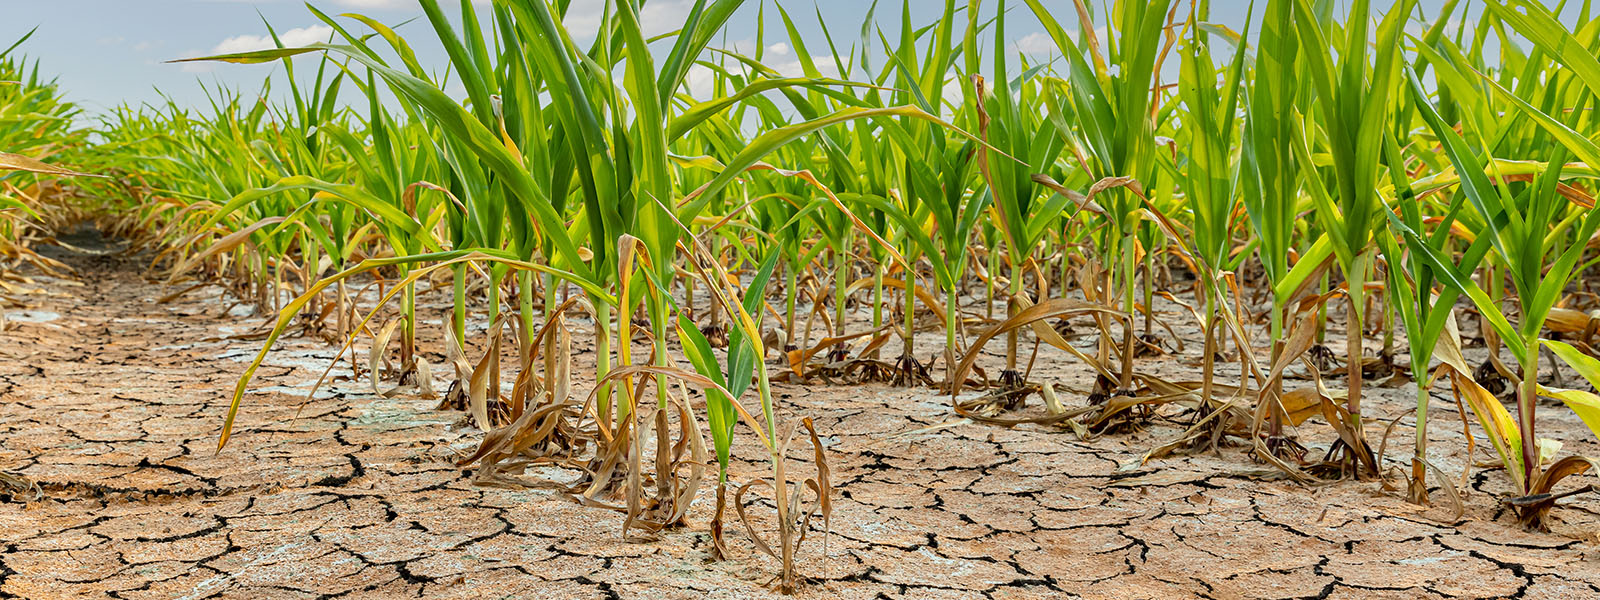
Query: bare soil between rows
{"type": "Point", "coordinates": [112, 403]}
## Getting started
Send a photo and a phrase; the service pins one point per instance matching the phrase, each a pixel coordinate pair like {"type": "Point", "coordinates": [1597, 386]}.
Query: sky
{"type": "Point", "coordinates": [110, 52]}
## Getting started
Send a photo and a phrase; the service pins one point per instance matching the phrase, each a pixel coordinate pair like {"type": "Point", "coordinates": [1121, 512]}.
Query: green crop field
{"type": "Point", "coordinates": [607, 255]}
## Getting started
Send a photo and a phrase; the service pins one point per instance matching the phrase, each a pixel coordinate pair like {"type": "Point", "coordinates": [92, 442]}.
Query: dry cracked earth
{"type": "Point", "coordinates": [112, 403]}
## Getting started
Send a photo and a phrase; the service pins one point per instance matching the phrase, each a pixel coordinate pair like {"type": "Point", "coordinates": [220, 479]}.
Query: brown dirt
{"type": "Point", "coordinates": [112, 403]}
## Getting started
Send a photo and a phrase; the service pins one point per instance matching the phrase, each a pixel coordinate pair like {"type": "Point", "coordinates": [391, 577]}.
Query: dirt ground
{"type": "Point", "coordinates": [112, 403]}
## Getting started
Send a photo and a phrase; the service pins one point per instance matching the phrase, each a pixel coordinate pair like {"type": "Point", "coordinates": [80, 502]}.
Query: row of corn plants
{"type": "Point", "coordinates": [699, 212]}
{"type": "Point", "coordinates": [39, 136]}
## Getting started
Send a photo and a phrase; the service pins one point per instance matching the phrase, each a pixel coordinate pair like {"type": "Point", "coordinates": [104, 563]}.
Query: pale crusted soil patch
{"type": "Point", "coordinates": [114, 408]}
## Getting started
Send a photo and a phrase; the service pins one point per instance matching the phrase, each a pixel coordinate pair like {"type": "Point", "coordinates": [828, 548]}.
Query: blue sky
{"type": "Point", "coordinates": [108, 52]}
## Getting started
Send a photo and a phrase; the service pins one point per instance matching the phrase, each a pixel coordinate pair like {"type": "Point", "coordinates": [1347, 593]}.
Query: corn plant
{"type": "Point", "coordinates": [1113, 104]}
{"type": "Point", "coordinates": [1424, 310]}
{"type": "Point", "coordinates": [934, 172]}
{"type": "Point", "coordinates": [1518, 218]}
{"type": "Point", "coordinates": [1010, 121]}
{"type": "Point", "coordinates": [1270, 186]}
{"type": "Point", "coordinates": [1210, 180]}
{"type": "Point", "coordinates": [1355, 105]}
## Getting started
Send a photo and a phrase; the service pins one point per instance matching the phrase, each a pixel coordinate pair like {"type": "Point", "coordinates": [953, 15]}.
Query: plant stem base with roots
{"type": "Point", "coordinates": [1322, 357]}
{"type": "Point", "coordinates": [910, 372]}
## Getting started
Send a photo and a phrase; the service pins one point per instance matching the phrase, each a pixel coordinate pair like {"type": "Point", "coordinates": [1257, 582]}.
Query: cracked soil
{"type": "Point", "coordinates": [112, 403]}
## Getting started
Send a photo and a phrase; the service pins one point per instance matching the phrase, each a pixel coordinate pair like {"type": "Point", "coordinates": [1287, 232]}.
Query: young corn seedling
{"type": "Point", "coordinates": [1355, 87]}
{"type": "Point", "coordinates": [935, 170]}
{"type": "Point", "coordinates": [1209, 182]}
{"type": "Point", "coordinates": [1270, 192]}
{"type": "Point", "coordinates": [1425, 311]}
{"type": "Point", "coordinates": [1009, 119]}
{"type": "Point", "coordinates": [1519, 218]}
{"type": "Point", "coordinates": [1113, 103]}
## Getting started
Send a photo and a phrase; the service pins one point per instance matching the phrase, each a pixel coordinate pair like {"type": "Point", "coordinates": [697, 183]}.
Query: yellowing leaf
{"type": "Point", "coordinates": [1492, 416]}
{"type": "Point", "coordinates": [1585, 365]}
{"type": "Point", "coordinates": [1585, 404]}
{"type": "Point", "coordinates": [1502, 429]}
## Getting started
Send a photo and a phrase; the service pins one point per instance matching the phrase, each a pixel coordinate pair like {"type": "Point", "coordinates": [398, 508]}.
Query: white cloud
{"type": "Point", "coordinates": [662, 16]}
{"type": "Point", "coordinates": [780, 49]}
{"type": "Point", "coordinates": [744, 47]}
{"type": "Point", "coordinates": [299, 36]}
{"type": "Point", "coordinates": [952, 89]}
{"type": "Point", "coordinates": [825, 65]}
{"type": "Point", "coordinates": [583, 20]}
{"type": "Point", "coordinates": [1040, 45]}
{"type": "Point", "coordinates": [700, 82]}
{"type": "Point", "coordinates": [657, 17]}
{"type": "Point", "coordinates": [1033, 44]}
